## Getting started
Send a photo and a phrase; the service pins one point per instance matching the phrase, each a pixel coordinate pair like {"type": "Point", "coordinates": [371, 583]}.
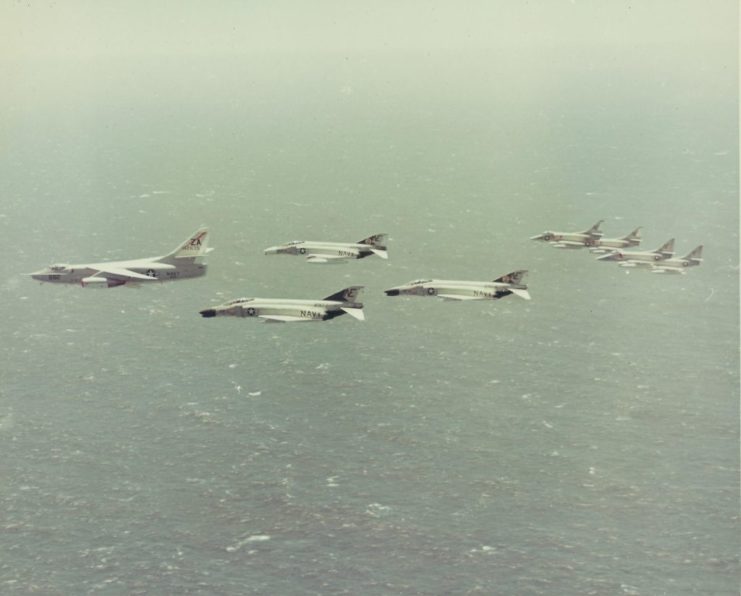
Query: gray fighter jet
{"type": "Point", "coordinates": [641, 259]}
{"type": "Point", "coordinates": [182, 263]}
{"type": "Point", "coordinates": [280, 310]}
{"type": "Point", "coordinates": [572, 239]}
{"type": "Point", "coordinates": [466, 290]}
{"type": "Point", "coordinates": [605, 245]}
{"type": "Point", "coordinates": [333, 252]}
{"type": "Point", "coordinates": [692, 259]}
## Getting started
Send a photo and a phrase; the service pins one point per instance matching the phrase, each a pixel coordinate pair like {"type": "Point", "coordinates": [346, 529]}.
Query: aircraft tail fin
{"type": "Point", "coordinates": [594, 230]}
{"type": "Point", "coordinates": [515, 277]}
{"type": "Point", "coordinates": [349, 295]}
{"type": "Point", "coordinates": [195, 246]}
{"type": "Point", "coordinates": [667, 248]}
{"type": "Point", "coordinates": [694, 255]}
{"type": "Point", "coordinates": [634, 235]}
{"type": "Point", "coordinates": [377, 241]}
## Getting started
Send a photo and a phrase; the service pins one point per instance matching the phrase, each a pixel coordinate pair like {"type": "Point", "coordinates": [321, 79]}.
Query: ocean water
{"type": "Point", "coordinates": [586, 442]}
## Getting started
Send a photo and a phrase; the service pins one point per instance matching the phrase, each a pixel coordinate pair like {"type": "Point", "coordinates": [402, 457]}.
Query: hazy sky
{"type": "Point", "coordinates": [79, 28]}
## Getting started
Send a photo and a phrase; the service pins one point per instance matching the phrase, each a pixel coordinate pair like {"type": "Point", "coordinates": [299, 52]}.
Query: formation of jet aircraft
{"type": "Point", "coordinates": [182, 263]}
{"type": "Point", "coordinates": [282, 310]}
{"type": "Point", "coordinates": [187, 261]}
{"type": "Point", "coordinates": [333, 252]}
{"type": "Point", "coordinates": [660, 260]}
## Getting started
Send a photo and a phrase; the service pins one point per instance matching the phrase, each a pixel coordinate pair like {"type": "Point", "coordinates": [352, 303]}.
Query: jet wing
{"type": "Point", "coordinates": [123, 274]}
{"type": "Point", "coordinates": [567, 244]}
{"type": "Point", "coordinates": [675, 270]}
{"type": "Point", "coordinates": [325, 258]}
{"type": "Point", "coordinates": [457, 297]}
{"type": "Point", "coordinates": [283, 318]}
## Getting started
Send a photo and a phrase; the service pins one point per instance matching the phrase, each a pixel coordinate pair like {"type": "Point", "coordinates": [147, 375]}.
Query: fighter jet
{"type": "Point", "coordinates": [333, 252]}
{"type": "Point", "coordinates": [605, 245]}
{"type": "Point", "coordinates": [692, 259]}
{"type": "Point", "coordinates": [182, 263]}
{"type": "Point", "coordinates": [280, 310]}
{"type": "Point", "coordinates": [572, 239]}
{"type": "Point", "coordinates": [641, 259]}
{"type": "Point", "coordinates": [466, 290]}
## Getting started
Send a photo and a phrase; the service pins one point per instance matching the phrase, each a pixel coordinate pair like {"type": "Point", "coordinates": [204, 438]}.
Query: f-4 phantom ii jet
{"type": "Point", "coordinates": [466, 290]}
{"type": "Point", "coordinates": [692, 259]}
{"type": "Point", "coordinates": [572, 239]}
{"type": "Point", "coordinates": [333, 252]}
{"type": "Point", "coordinates": [279, 310]}
{"type": "Point", "coordinates": [182, 263]}
{"type": "Point", "coordinates": [605, 245]}
{"type": "Point", "coordinates": [641, 259]}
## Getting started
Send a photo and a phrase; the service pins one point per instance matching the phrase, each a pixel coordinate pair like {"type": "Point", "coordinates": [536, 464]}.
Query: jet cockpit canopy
{"type": "Point", "coordinates": [238, 300]}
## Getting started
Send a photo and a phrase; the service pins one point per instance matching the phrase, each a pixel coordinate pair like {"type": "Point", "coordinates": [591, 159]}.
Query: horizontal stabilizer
{"type": "Point", "coordinates": [356, 313]}
{"type": "Point", "coordinates": [381, 253]}
{"type": "Point", "coordinates": [521, 293]}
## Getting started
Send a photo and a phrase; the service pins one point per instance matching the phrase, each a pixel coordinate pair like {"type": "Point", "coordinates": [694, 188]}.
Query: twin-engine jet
{"type": "Point", "coordinates": [182, 263]}
{"type": "Point", "coordinates": [466, 290]}
{"type": "Point", "coordinates": [280, 310]}
{"type": "Point", "coordinates": [572, 239]}
{"type": "Point", "coordinates": [641, 259]}
{"type": "Point", "coordinates": [333, 252]}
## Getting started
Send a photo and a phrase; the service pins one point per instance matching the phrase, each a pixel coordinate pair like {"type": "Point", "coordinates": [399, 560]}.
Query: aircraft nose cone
{"type": "Point", "coordinates": [271, 251]}
{"type": "Point", "coordinates": [208, 313]}
{"type": "Point", "coordinates": [392, 292]}
{"type": "Point", "coordinates": [538, 237]}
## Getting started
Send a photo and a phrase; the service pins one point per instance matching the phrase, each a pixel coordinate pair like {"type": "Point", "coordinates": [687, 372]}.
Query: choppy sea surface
{"type": "Point", "coordinates": [585, 442]}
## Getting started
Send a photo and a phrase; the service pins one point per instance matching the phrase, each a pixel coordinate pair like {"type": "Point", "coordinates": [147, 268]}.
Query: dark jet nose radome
{"type": "Point", "coordinates": [392, 292]}
{"type": "Point", "coordinates": [208, 313]}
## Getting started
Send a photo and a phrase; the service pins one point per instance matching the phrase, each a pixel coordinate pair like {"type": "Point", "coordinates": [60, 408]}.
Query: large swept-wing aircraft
{"type": "Point", "coordinates": [333, 252]}
{"type": "Point", "coordinates": [281, 310]}
{"type": "Point", "coordinates": [641, 259]}
{"type": "Point", "coordinates": [466, 290]}
{"type": "Point", "coordinates": [182, 263]}
{"type": "Point", "coordinates": [605, 245]}
{"type": "Point", "coordinates": [571, 239]}
{"type": "Point", "coordinates": [692, 259]}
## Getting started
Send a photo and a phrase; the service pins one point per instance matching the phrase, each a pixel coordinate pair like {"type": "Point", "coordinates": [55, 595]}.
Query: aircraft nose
{"type": "Point", "coordinates": [607, 257]}
{"type": "Point", "coordinates": [538, 237]}
{"type": "Point", "coordinates": [273, 250]}
{"type": "Point", "coordinates": [392, 292]}
{"type": "Point", "coordinates": [208, 313]}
